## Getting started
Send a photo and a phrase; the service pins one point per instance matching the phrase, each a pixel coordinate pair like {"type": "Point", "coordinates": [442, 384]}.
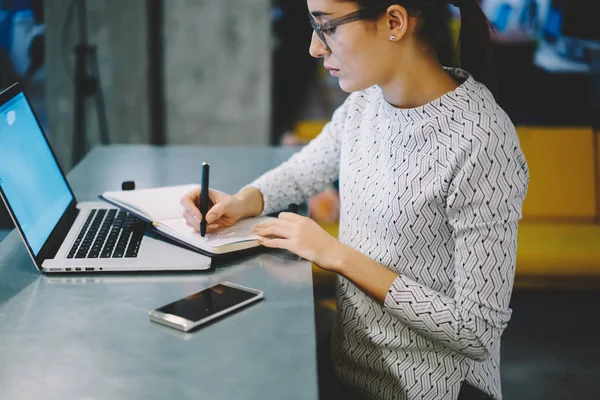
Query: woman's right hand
{"type": "Point", "coordinates": [223, 209]}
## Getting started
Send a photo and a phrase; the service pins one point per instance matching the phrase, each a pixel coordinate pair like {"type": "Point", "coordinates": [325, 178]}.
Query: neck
{"type": "Point", "coordinates": [417, 82]}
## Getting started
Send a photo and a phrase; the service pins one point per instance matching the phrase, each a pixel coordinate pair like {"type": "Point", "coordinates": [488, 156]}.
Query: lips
{"type": "Point", "coordinates": [332, 71]}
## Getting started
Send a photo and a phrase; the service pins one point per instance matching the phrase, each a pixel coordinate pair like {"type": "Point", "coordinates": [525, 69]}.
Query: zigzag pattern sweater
{"type": "Point", "coordinates": [433, 193]}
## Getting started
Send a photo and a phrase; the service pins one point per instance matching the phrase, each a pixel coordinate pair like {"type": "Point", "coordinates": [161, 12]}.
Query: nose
{"type": "Point", "coordinates": [317, 49]}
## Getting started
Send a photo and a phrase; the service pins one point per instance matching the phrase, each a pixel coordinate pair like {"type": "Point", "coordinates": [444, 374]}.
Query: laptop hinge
{"type": "Point", "coordinates": [58, 235]}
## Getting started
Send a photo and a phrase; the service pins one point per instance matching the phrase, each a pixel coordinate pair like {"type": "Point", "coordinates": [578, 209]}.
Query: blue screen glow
{"type": "Point", "coordinates": [29, 175]}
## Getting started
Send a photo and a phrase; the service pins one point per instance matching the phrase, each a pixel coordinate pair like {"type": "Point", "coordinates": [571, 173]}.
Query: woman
{"type": "Point", "coordinates": [432, 182]}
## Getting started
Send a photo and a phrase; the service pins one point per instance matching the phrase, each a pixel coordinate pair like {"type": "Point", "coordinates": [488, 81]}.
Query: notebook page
{"type": "Point", "coordinates": [156, 203]}
{"type": "Point", "coordinates": [240, 232]}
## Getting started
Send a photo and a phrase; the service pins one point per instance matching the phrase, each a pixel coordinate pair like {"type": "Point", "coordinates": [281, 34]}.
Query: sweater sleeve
{"type": "Point", "coordinates": [307, 172]}
{"type": "Point", "coordinates": [483, 207]}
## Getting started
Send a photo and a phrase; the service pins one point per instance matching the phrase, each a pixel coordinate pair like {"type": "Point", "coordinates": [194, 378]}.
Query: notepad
{"type": "Point", "coordinates": [161, 207]}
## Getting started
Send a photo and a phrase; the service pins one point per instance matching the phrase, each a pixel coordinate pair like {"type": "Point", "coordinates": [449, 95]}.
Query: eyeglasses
{"type": "Point", "coordinates": [322, 29]}
{"type": "Point", "coordinates": [365, 13]}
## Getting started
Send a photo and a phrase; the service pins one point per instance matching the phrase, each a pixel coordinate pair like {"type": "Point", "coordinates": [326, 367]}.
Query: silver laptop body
{"type": "Point", "coordinates": [62, 235]}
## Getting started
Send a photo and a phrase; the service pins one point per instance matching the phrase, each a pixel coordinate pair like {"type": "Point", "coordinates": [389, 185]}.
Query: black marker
{"type": "Point", "coordinates": [204, 198]}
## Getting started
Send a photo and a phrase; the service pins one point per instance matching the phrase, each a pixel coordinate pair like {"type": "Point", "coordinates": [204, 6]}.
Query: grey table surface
{"type": "Point", "coordinates": [89, 337]}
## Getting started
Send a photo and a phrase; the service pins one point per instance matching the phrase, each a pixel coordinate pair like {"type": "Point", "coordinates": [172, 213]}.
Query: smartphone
{"type": "Point", "coordinates": [205, 306]}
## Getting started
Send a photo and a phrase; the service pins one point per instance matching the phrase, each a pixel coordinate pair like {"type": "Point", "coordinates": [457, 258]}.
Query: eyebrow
{"type": "Point", "coordinates": [319, 13]}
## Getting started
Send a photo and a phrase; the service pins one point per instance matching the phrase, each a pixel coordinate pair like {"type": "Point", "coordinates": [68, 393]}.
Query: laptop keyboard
{"type": "Point", "coordinates": [109, 234]}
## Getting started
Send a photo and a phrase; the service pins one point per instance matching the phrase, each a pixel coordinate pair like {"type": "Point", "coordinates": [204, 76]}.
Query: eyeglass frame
{"type": "Point", "coordinates": [357, 15]}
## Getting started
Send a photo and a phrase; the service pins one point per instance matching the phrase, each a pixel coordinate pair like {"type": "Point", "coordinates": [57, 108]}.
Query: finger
{"type": "Point", "coordinates": [212, 227]}
{"type": "Point", "coordinates": [215, 213]}
{"type": "Point", "coordinates": [191, 222]}
{"type": "Point", "coordinates": [274, 230]}
{"type": "Point", "coordinates": [194, 195]}
{"type": "Point", "coordinates": [273, 243]}
{"type": "Point", "coordinates": [287, 216]}
{"type": "Point", "coordinates": [187, 214]}
{"type": "Point", "coordinates": [188, 204]}
{"type": "Point", "coordinates": [274, 222]}
{"type": "Point", "coordinates": [214, 195]}
{"type": "Point", "coordinates": [212, 200]}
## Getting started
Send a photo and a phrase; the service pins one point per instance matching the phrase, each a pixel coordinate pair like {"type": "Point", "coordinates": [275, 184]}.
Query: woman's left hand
{"type": "Point", "coordinates": [301, 236]}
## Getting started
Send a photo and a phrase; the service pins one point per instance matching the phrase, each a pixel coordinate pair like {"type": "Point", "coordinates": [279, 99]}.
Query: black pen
{"type": "Point", "coordinates": [204, 198]}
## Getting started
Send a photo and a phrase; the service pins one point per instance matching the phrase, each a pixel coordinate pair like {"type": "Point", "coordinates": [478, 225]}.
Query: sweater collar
{"type": "Point", "coordinates": [437, 106]}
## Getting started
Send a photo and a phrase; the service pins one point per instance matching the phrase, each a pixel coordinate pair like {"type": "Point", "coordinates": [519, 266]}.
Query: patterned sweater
{"type": "Point", "coordinates": [433, 193]}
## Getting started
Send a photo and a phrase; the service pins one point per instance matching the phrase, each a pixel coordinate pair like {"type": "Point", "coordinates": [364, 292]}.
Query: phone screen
{"type": "Point", "coordinates": [207, 302]}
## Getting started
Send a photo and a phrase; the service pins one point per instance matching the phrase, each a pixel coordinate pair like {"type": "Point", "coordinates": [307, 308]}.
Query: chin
{"type": "Point", "coordinates": [349, 86]}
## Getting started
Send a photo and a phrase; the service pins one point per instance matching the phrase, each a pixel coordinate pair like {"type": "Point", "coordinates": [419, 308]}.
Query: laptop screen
{"type": "Point", "coordinates": [31, 180]}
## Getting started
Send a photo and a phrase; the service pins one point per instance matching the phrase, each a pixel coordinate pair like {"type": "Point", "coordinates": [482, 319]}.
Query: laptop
{"type": "Point", "coordinates": [62, 235]}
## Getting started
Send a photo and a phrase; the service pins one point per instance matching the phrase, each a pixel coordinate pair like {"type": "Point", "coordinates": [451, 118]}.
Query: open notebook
{"type": "Point", "coordinates": [161, 207]}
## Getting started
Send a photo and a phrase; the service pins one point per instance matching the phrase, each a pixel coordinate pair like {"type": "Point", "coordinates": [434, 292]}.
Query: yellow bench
{"type": "Point", "coordinates": [559, 236]}
{"type": "Point", "coordinates": [558, 250]}
{"type": "Point", "coordinates": [563, 170]}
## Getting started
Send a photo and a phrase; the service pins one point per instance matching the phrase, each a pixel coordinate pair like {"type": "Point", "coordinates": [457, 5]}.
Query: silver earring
{"type": "Point", "coordinates": [392, 38]}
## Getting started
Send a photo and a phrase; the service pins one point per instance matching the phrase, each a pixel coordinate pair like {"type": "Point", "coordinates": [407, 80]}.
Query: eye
{"type": "Point", "coordinates": [329, 31]}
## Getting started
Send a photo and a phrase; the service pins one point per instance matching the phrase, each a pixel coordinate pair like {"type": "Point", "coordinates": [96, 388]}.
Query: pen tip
{"type": "Point", "coordinates": [204, 163]}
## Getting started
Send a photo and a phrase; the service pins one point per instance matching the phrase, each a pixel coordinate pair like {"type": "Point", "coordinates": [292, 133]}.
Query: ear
{"type": "Point", "coordinates": [396, 21]}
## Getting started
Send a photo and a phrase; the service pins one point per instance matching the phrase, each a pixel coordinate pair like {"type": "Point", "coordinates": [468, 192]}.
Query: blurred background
{"type": "Point", "coordinates": [238, 73]}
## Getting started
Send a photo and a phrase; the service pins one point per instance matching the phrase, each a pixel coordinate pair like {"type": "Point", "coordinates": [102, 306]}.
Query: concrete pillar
{"type": "Point", "coordinates": [218, 71]}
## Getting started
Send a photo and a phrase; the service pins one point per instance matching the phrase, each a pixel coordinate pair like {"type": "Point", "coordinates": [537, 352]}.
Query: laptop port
{"type": "Point", "coordinates": [77, 269]}
{"type": "Point", "coordinates": [55, 269]}
{"type": "Point", "coordinates": [67, 269]}
{"type": "Point", "coordinates": [89, 269]}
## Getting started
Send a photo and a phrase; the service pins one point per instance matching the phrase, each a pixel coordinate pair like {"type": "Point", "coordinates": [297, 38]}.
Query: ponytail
{"type": "Point", "coordinates": [475, 43]}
